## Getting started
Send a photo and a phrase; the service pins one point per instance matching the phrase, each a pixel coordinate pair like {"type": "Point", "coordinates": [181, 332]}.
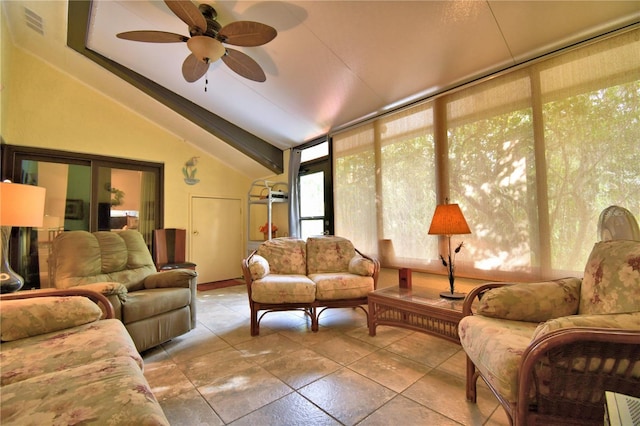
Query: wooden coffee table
{"type": "Point", "coordinates": [417, 309]}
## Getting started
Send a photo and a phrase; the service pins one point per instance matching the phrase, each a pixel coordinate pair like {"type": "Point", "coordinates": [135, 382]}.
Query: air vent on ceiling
{"type": "Point", "coordinates": [33, 21]}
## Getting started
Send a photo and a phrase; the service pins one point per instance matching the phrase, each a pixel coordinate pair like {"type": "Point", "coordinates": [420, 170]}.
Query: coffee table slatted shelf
{"type": "Point", "coordinates": [417, 309]}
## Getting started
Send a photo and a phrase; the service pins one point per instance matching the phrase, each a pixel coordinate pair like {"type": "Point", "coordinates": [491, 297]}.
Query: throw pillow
{"type": "Point", "coordinates": [533, 302]}
{"type": "Point", "coordinates": [258, 266]}
{"type": "Point", "coordinates": [361, 266]}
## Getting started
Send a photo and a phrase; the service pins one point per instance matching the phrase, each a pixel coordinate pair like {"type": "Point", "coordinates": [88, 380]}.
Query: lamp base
{"type": "Point", "coordinates": [10, 281]}
{"type": "Point", "coordinates": [454, 295]}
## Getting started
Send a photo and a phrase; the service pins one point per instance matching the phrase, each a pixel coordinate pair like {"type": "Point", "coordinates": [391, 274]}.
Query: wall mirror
{"type": "Point", "coordinates": [84, 192]}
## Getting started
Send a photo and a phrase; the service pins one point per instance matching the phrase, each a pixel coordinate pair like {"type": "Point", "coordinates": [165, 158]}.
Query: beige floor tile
{"type": "Point", "coordinates": [343, 349]}
{"type": "Point", "coordinates": [384, 335]}
{"type": "Point", "coordinates": [347, 396]}
{"type": "Point", "coordinates": [291, 410]}
{"type": "Point", "coordinates": [425, 349]}
{"type": "Point", "coordinates": [207, 368]}
{"type": "Point", "coordinates": [166, 380]}
{"type": "Point", "coordinates": [445, 394]}
{"type": "Point", "coordinates": [239, 394]}
{"type": "Point", "coordinates": [263, 349]}
{"type": "Point", "coordinates": [190, 409]}
{"type": "Point", "coordinates": [197, 342]}
{"type": "Point", "coordinates": [300, 368]}
{"type": "Point", "coordinates": [401, 410]}
{"type": "Point", "coordinates": [390, 370]}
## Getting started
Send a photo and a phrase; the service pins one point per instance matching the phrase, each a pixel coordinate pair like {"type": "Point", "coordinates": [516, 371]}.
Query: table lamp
{"type": "Point", "coordinates": [20, 205]}
{"type": "Point", "coordinates": [448, 220]}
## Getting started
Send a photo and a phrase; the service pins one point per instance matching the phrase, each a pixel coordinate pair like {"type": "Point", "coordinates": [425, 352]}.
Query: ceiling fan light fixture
{"type": "Point", "coordinates": [206, 49]}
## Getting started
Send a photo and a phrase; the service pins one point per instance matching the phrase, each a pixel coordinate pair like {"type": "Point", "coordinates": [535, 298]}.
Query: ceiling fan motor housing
{"type": "Point", "coordinates": [210, 15]}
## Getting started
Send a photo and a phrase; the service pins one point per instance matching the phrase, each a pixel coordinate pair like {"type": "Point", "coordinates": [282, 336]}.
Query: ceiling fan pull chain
{"type": "Point", "coordinates": [206, 81]}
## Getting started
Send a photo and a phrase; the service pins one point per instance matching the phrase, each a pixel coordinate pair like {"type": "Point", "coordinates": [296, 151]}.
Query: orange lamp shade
{"type": "Point", "coordinates": [21, 205]}
{"type": "Point", "coordinates": [448, 220]}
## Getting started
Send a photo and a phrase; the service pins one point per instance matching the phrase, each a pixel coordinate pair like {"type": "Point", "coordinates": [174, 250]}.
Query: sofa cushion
{"type": "Point", "coordinates": [495, 346]}
{"type": "Point", "coordinates": [533, 302]}
{"type": "Point", "coordinates": [283, 289]}
{"type": "Point", "coordinates": [628, 321]}
{"type": "Point", "coordinates": [46, 353]}
{"type": "Point", "coordinates": [40, 315]}
{"type": "Point", "coordinates": [144, 304]}
{"type": "Point", "coordinates": [328, 253]}
{"type": "Point", "coordinates": [611, 278]}
{"type": "Point", "coordinates": [104, 392]}
{"type": "Point", "coordinates": [285, 255]}
{"type": "Point", "coordinates": [343, 285]}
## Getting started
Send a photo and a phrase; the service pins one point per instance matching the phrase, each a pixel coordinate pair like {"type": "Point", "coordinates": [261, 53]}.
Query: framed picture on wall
{"type": "Point", "coordinates": [74, 209]}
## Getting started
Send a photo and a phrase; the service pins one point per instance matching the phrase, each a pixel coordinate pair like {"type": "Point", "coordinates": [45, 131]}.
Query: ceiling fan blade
{"type": "Point", "coordinates": [193, 69]}
{"type": "Point", "coordinates": [152, 36]}
{"type": "Point", "coordinates": [244, 65]}
{"type": "Point", "coordinates": [247, 33]}
{"type": "Point", "coordinates": [188, 13]}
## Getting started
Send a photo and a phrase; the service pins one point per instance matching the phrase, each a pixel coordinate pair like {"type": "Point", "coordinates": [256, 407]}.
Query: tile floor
{"type": "Point", "coordinates": [218, 374]}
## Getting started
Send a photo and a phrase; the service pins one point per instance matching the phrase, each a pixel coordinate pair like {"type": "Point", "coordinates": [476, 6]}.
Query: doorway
{"type": "Point", "coordinates": [216, 238]}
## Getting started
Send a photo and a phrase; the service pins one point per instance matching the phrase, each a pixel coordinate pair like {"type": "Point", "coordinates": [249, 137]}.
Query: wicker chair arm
{"type": "Point", "coordinates": [376, 267]}
{"type": "Point", "coordinates": [477, 292]}
{"type": "Point", "coordinates": [584, 362]}
{"type": "Point", "coordinates": [96, 297]}
{"type": "Point", "coordinates": [246, 273]}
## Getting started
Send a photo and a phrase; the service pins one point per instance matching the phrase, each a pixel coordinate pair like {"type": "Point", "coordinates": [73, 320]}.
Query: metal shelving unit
{"type": "Point", "coordinates": [265, 193]}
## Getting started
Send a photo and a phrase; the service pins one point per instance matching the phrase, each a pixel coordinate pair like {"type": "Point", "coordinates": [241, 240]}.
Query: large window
{"type": "Point", "coordinates": [532, 156]}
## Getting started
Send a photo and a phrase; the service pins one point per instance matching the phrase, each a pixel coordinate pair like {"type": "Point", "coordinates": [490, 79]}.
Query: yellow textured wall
{"type": "Point", "coordinates": [42, 107]}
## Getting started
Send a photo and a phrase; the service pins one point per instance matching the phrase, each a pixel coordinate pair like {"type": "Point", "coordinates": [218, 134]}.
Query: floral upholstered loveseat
{"type": "Point", "coordinates": [550, 350]}
{"type": "Point", "coordinates": [61, 364]}
{"type": "Point", "coordinates": [294, 274]}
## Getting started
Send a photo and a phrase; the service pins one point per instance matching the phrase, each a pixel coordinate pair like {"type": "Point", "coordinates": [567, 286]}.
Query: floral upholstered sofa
{"type": "Point", "coordinates": [294, 274]}
{"type": "Point", "coordinates": [550, 350]}
{"type": "Point", "coordinates": [61, 364]}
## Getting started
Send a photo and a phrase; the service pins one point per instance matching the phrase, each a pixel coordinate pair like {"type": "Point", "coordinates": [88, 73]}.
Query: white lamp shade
{"type": "Point", "coordinates": [206, 49]}
{"type": "Point", "coordinates": [21, 205]}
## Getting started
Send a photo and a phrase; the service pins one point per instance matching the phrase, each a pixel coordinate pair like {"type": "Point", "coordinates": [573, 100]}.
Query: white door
{"type": "Point", "coordinates": [216, 238]}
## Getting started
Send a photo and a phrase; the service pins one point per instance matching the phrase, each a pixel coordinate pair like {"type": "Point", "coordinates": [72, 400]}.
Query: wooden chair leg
{"type": "Point", "coordinates": [255, 325]}
{"type": "Point", "coordinates": [472, 381]}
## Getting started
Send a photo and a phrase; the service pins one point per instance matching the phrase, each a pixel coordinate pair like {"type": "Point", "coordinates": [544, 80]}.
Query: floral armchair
{"type": "Point", "coordinates": [550, 350]}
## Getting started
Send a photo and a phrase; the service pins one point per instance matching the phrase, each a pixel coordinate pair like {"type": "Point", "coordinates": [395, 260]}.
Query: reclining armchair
{"type": "Point", "coordinates": [154, 306]}
{"type": "Point", "coordinates": [550, 350]}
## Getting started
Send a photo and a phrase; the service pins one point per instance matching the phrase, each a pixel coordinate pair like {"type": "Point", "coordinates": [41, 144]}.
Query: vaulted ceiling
{"type": "Point", "coordinates": [331, 64]}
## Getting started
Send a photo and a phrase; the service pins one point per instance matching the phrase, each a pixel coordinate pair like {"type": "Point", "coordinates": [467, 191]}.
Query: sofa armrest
{"type": "Point", "coordinates": [96, 297]}
{"type": "Point", "coordinates": [185, 278]}
{"type": "Point", "coordinates": [37, 312]}
{"type": "Point", "coordinates": [599, 359]}
{"type": "Point", "coordinates": [107, 288]}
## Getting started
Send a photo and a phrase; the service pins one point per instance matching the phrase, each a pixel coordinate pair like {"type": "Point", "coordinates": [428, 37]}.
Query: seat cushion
{"type": "Point", "coordinates": [104, 392]}
{"type": "Point", "coordinates": [23, 359]}
{"type": "Point", "coordinates": [495, 346]}
{"type": "Point", "coordinates": [611, 279]}
{"type": "Point", "coordinates": [283, 289]}
{"type": "Point", "coordinates": [342, 285]}
{"type": "Point", "coordinates": [144, 304]}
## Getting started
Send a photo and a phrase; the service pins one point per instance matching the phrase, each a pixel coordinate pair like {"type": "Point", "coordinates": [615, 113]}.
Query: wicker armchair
{"type": "Point", "coordinates": [549, 351]}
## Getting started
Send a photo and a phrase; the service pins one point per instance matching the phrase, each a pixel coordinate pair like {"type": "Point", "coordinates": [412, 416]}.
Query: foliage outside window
{"type": "Point", "coordinates": [532, 157]}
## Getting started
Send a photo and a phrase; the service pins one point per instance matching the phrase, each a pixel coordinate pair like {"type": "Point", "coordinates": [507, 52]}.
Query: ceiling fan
{"type": "Point", "coordinates": [207, 36]}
